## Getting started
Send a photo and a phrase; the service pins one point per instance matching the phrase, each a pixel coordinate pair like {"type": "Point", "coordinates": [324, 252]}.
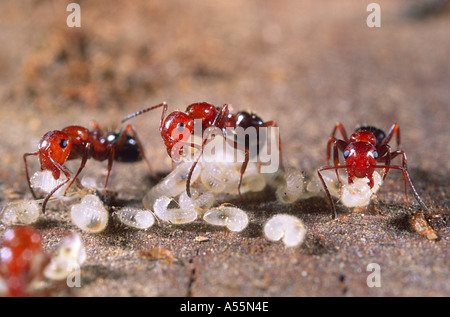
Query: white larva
{"type": "Point", "coordinates": [287, 228]}
{"type": "Point", "coordinates": [294, 187]}
{"type": "Point", "coordinates": [198, 202]}
{"type": "Point", "coordinates": [172, 185]}
{"type": "Point", "coordinates": [359, 193]}
{"type": "Point", "coordinates": [233, 218]}
{"type": "Point", "coordinates": [173, 215]}
{"type": "Point", "coordinates": [20, 212]}
{"type": "Point", "coordinates": [136, 218]}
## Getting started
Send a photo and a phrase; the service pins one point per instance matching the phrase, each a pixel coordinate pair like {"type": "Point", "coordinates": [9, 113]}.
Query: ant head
{"type": "Point", "coordinates": [178, 126]}
{"type": "Point", "coordinates": [360, 159]}
{"type": "Point", "coordinates": [22, 242]}
{"type": "Point", "coordinates": [128, 151]}
{"type": "Point", "coordinates": [204, 111]}
{"type": "Point", "coordinates": [22, 237]}
{"type": "Point", "coordinates": [54, 148]}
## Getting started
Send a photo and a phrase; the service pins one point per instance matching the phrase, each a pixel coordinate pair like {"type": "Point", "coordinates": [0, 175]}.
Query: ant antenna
{"type": "Point", "coordinates": [137, 113]}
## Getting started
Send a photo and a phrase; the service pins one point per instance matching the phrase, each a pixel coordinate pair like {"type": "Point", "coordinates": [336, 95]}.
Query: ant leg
{"type": "Point", "coordinates": [273, 124]}
{"type": "Point", "coordinates": [26, 171]}
{"type": "Point", "coordinates": [66, 172]}
{"type": "Point", "coordinates": [180, 144]}
{"type": "Point", "coordinates": [86, 152]}
{"type": "Point", "coordinates": [337, 144]}
{"type": "Point", "coordinates": [122, 138]}
{"type": "Point", "coordinates": [394, 129]}
{"type": "Point", "coordinates": [407, 178]}
{"type": "Point", "coordinates": [389, 156]}
{"type": "Point", "coordinates": [112, 152]}
{"type": "Point", "coordinates": [404, 158]}
{"type": "Point", "coordinates": [244, 164]}
{"type": "Point", "coordinates": [339, 126]}
{"type": "Point", "coordinates": [327, 192]}
{"type": "Point", "coordinates": [328, 154]}
{"type": "Point", "coordinates": [340, 143]}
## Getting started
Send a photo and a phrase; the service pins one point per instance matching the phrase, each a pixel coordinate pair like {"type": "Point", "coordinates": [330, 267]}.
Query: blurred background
{"type": "Point", "coordinates": [304, 64]}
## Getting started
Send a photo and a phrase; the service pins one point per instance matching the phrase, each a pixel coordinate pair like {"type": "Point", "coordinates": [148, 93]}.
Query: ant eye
{"type": "Point", "coordinates": [375, 154]}
{"type": "Point", "coordinates": [180, 127]}
{"type": "Point", "coordinates": [346, 153]}
{"type": "Point", "coordinates": [63, 143]}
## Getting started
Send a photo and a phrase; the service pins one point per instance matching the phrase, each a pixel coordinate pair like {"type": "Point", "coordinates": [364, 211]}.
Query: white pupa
{"type": "Point", "coordinates": [90, 214]}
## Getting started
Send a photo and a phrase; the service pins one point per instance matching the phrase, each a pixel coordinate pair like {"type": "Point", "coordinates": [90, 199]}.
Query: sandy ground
{"type": "Point", "coordinates": [302, 64]}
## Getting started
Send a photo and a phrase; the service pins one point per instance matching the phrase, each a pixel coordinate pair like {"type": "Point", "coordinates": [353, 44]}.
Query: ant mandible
{"type": "Point", "coordinates": [182, 123]}
{"type": "Point", "coordinates": [365, 147]}
{"type": "Point", "coordinates": [73, 142]}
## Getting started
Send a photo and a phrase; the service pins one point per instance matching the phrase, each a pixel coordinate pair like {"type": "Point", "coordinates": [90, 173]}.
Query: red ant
{"type": "Point", "coordinates": [366, 146]}
{"type": "Point", "coordinates": [178, 126]}
{"type": "Point", "coordinates": [22, 259]}
{"type": "Point", "coordinates": [73, 142]}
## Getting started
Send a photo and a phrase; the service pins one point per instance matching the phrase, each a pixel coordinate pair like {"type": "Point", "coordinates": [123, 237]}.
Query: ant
{"type": "Point", "coordinates": [22, 259]}
{"type": "Point", "coordinates": [73, 142]}
{"type": "Point", "coordinates": [178, 126]}
{"type": "Point", "coordinates": [365, 147]}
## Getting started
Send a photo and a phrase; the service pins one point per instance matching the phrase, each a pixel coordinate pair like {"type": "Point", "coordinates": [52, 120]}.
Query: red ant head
{"type": "Point", "coordinates": [360, 159]}
{"type": "Point", "coordinates": [54, 148]}
{"type": "Point", "coordinates": [19, 246]}
{"type": "Point", "coordinates": [178, 126]}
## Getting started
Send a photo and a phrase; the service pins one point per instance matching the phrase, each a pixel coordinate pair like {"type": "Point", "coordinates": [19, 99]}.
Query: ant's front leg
{"type": "Point", "coordinates": [86, 153]}
{"type": "Point", "coordinates": [339, 126]}
{"type": "Point", "coordinates": [27, 173]}
{"type": "Point", "coordinates": [66, 172]}
{"type": "Point", "coordinates": [324, 185]}
{"type": "Point", "coordinates": [337, 144]}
